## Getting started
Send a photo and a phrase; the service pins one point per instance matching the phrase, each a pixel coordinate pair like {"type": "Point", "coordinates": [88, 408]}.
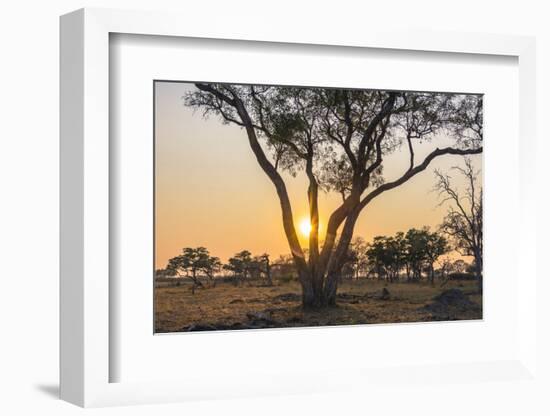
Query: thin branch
{"type": "Point", "coordinates": [412, 172]}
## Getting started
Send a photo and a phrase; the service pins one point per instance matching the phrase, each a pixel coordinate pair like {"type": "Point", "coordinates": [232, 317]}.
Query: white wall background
{"type": "Point", "coordinates": [29, 56]}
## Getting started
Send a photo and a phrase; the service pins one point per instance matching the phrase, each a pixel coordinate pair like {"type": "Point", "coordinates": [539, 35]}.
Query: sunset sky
{"type": "Point", "coordinates": [211, 192]}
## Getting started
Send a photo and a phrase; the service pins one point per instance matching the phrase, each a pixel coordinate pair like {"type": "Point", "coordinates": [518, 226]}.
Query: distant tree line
{"type": "Point", "coordinates": [195, 263]}
{"type": "Point", "coordinates": [244, 266]}
{"type": "Point", "coordinates": [412, 252]}
{"type": "Point", "coordinates": [410, 256]}
{"type": "Point", "coordinates": [414, 256]}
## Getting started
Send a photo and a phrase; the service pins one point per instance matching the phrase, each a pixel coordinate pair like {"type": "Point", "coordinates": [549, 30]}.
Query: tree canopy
{"type": "Point", "coordinates": [415, 250]}
{"type": "Point", "coordinates": [340, 139]}
{"type": "Point", "coordinates": [193, 261]}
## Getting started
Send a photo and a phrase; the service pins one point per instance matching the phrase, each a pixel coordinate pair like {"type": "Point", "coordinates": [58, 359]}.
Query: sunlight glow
{"type": "Point", "coordinates": [305, 227]}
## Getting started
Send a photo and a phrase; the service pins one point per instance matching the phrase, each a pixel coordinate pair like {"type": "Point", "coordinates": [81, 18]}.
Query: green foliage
{"type": "Point", "coordinates": [243, 265]}
{"type": "Point", "coordinates": [387, 255]}
{"type": "Point", "coordinates": [341, 134]}
{"type": "Point", "coordinates": [341, 140]}
{"type": "Point", "coordinates": [193, 261]}
{"type": "Point", "coordinates": [240, 264]}
{"type": "Point", "coordinates": [415, 251]}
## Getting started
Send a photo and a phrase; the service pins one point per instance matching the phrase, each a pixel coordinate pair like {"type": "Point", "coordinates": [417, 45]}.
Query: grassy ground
{"type": "Point", "coordinates": [254, 306]}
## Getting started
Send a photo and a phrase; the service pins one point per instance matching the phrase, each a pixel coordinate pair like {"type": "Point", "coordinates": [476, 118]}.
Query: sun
{"type": "Point", "coordinates": [305, 227]}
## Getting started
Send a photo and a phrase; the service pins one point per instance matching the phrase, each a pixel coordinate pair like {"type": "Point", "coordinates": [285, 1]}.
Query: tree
{"type": "Point", "coordinates": [358, 248]}
{"type": "Point", "coordinates": [459, 266]}
{"type": "Point", "coordinates": [396, 247]}
{"type": "Point", "coordinates": [435, 246]}
{"type": "Point", "coordinates": [376, 252]}
{"type": "Point", "coordinates": [464, 220]}
{"type": "Point", "coordinates": [257, 266]}
{"type": "Point", "coordinates": [241, 264]}
{"type": "Point", "coordinates": [417, 250]}
{"type": "Point", "coordinates": [348, 270]}
{"type": "Point", "coordinates": [415, 253]}
{"type": "Point", "coordinates": [193, 261]}
{"type": "Point", "coordinates": [284, 268]}
{"type": "Point", "coordinates": [212, 265]}
{"type": "Point", "coordinates": [265, 265]}
{"type": "Point", "coordinates": [445, 267]}
{"type": "Point", "coordinates": [311, 129]}
{"type": "Point", "coordinates": [422, 248]}
{"type": "Point", "coordinates": [386, 255]}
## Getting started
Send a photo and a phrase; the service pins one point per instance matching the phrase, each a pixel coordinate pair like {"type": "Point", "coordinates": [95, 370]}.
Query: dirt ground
{"type": "Point", "coordinates": [253, 306]}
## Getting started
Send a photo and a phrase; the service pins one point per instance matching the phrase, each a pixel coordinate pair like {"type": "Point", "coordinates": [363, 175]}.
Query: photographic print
{"type": "Point", "coordinates": [287, 206]}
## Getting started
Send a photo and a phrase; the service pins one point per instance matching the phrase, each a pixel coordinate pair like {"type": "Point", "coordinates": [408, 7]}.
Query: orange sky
{"type": "Point", "coordinates": [211, 192]}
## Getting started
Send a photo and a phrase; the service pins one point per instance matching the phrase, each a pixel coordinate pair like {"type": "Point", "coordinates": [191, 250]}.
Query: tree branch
{"type": "Point", "coordinates": [385, 110]}
{"type": "Point", "coordinates": [412, 172]}
{"type": "Point", "coordinates": [268, 168]}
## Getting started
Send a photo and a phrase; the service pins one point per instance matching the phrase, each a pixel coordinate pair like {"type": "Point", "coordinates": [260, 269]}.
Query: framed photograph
{"type": "Point", "coordinates": [233, 252]}
{"type": "Point", "coordinates": [240, 211]}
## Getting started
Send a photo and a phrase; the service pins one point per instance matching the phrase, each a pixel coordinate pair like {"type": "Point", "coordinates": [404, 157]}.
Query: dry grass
{"type": "Point", "coordinates": [359, 302]}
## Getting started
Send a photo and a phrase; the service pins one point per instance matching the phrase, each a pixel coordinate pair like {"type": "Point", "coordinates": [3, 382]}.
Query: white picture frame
{"type": "Point", "coordinates": [85, 221]}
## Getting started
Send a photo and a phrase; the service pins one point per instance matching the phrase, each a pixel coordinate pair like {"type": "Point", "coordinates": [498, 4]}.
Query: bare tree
{"type": "Point", "coordinates": [340, 140]}
{"type": "Point", "coordinates": [464, 220]}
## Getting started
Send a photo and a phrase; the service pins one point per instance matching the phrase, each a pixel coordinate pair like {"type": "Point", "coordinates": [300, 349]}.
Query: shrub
{"type": "Point", "coordinates": [461, 276]}
{"type": "Point", "coordinates": [286, 278]}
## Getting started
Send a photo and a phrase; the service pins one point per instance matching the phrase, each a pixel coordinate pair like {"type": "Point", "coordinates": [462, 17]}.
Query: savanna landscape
{"type": "Point", "coordinates": [299, 206]}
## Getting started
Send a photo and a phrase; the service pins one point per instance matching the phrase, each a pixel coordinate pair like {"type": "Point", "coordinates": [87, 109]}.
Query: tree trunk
{"type": "Point", "coordinates": [337, 260]}
{"type": "Point", "coordinates": [315, 295]}
{"type": "Point", "coordinates": [268, 275]}
{"type": "Point", "coordinates": [312, 292]}
{"type": "Point", "coordinates": [331, 287]}
{"type": "Point", "coordinates": [309, 297]}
